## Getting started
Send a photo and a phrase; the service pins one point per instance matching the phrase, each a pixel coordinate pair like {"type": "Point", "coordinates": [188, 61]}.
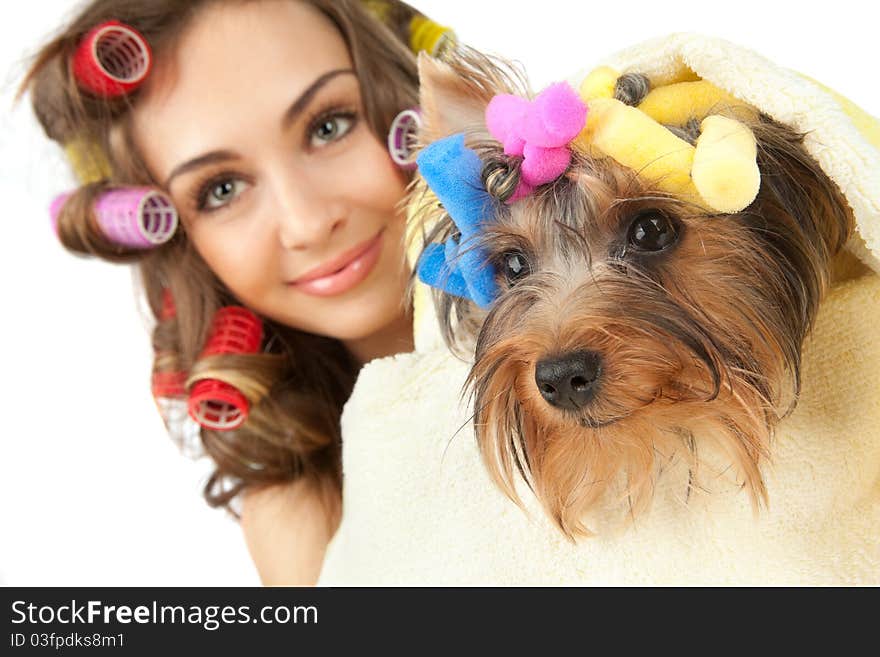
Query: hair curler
{"type": "Point", "coordinates": [216, 404]}
{"type": "Point", "coordinates": [169, 310]}
{"type": "Point", "coordinates": [55, 209]}
{"type": "Point", "coordinates": [88, 160]}
{"type": "Point", "coordinates": [113, 59]}
{"type": "Point", "coordinates": [402, 137]}
{"type": "Point", "coordinates": [134, 217]}
{"type": "Point", "coordinates": [168, 385]}
{"type": "Point", "coordinates": [433, 38]}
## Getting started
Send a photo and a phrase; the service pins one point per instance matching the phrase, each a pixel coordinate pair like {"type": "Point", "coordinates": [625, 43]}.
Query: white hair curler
{"type": "Point", "coordinates": [402, 137]}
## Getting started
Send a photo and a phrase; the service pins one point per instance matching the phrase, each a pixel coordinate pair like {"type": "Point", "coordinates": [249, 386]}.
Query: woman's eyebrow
{"type": "Point", "coordinates": [198, 162]}
{"type": "Point", "coordinates": [291, 115]}
{"type": "Point", "coordinates": [305, 98]}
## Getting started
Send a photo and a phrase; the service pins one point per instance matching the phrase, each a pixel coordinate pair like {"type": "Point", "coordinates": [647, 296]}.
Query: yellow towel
{"type": "Point", "coordinates": [419, 507]}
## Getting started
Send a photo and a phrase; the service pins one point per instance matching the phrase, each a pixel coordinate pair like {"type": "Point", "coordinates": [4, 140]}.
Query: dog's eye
{"type": "Point", "coordinates": [515, 266]}
{"type": "Point", "coordinates": [651, 231]}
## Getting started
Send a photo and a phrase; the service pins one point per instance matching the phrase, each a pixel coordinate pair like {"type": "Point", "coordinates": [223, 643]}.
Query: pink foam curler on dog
{"type": "Point", "coordinates": [539, 130]}
{"type": "Point", "coordinates": [216, 404]}
{"type": "Point", "coordinates": [505, 116]}
{"type": "Point", "coordinates": [113, 59]}
{"type": "Point", "coordinates": [402, 136]}
{"type": "Point", "coordinates": [557, 116]}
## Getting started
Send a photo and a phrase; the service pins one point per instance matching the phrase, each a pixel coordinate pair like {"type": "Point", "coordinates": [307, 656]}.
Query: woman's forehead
{"type": "Point", "coordinates": [237, 63]}
{"type": "Point", "coordinates": [278, 42]}
{"type": "Point", "coordinates": [261, 37]}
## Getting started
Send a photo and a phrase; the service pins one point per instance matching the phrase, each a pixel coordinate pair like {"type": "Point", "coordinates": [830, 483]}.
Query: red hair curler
{"type": "Point", "coordinates": [168, 385]}
{"type": "Point", "coordinates": [113, 59]}
{"type": "Point", "coordinates": [169, 310]}
{"type": "Point", "coordinates": [215, 404]}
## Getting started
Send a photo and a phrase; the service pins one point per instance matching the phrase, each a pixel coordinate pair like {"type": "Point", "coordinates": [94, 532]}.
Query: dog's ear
{"type": "Point", "coordinates": [450, 104]}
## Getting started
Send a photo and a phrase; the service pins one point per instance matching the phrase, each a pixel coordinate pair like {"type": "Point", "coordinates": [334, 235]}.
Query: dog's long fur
{"type": "Point", "coordinates": [700, 343]}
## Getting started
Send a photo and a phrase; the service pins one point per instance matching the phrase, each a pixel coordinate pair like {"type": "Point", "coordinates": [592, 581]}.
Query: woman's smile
{"type": "Point", "coordinates": [342, 273]}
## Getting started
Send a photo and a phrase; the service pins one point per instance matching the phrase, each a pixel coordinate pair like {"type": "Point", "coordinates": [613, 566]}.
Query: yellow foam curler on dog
{"type": "Point", "coordinates": [676, 104]}
{"type": "Point", "coordinates": [600, 83]}
{"type": "Point", "coordinates": [725, 169]}
{"type": "Point", "coordinates": [638, 142]}
{"type": "Point", "coordinates": [720, 172]}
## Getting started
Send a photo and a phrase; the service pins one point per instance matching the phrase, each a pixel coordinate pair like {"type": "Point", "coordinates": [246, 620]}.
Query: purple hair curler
{"type": "Point", "coordinates": [402, 137]}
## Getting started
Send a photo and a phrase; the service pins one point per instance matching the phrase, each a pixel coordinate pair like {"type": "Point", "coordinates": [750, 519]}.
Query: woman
{"type": "Point", "coordinates": [264, 123]}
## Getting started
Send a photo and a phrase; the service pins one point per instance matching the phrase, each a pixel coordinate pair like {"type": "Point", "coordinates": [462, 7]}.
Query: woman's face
{"type": "Point", "coordinates": [256, 129]}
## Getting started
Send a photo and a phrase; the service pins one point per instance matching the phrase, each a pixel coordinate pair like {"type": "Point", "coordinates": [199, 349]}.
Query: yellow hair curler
{"type": "Point", "coordinates": [433, 38]}
{"type": "Point", "coordinates": [720, 172]}
{"type": "Point", "coordinates": [424, 34]}
{"type": "Point", "coordinates": [88, 161]}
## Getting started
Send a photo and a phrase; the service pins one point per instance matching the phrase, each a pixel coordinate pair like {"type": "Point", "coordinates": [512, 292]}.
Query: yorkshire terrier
{"type": "Point", "coordinates": [632, 326]}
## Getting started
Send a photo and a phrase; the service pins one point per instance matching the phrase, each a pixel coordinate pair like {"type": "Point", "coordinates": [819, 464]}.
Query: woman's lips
{"type": "Point", "coordinates": [342, 273]}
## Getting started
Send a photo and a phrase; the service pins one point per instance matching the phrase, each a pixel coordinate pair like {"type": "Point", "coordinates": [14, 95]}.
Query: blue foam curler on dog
{"type": "Point", "coordinates": [452, 171]}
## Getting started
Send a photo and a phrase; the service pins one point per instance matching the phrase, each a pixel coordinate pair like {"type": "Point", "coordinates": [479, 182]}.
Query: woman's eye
{"type": "Point", "coordinates": [652, 231]}
{"type": "Point", "coordinates": [219, 193]}
{"type": "Point", "coordinates": [515, 266]}
{"type": "Point", "coordinates": [331, 128]}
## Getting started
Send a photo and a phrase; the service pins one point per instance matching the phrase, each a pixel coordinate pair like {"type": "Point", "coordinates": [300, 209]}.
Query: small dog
{"type": "Point", "coordinates": [633, 326]}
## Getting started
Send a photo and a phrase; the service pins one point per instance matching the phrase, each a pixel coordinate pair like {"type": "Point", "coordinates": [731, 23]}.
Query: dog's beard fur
{"type": "Point", "coordinates": [699, 343]}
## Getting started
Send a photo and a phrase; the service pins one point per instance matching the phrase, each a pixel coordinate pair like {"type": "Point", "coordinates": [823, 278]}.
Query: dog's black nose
{"type": "Point", "coordinates": [569, 381]}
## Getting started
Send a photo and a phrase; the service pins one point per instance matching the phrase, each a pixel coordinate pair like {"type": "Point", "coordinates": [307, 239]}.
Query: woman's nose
{"type": "Point", "coordinates": [307, 214]}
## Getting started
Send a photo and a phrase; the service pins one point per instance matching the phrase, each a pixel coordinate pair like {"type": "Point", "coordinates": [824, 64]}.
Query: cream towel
{"type": "Point", "coordinates": [419, 507]}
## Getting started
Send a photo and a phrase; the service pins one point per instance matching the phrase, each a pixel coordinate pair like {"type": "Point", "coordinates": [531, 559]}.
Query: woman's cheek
{"type": "Point", "coordinates": [379, 181]}
{"type": "Point", "coordinates": [240, 258]}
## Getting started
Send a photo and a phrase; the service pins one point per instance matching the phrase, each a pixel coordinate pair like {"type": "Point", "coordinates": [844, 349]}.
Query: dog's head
{"type": "Point", "coordinates": [632, 325]}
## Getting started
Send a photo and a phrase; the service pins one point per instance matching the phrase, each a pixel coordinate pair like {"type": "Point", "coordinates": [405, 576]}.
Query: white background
{"type": "Point", "coordinates": [92, 491]}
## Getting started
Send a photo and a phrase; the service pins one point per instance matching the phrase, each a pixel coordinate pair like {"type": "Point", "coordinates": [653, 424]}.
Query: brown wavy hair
{"type": "Point", "coordinates": [297, 386]}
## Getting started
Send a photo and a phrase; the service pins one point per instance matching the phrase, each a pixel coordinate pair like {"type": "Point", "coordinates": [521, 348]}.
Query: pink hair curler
{"type": "Point", "coordinates": [402, 137]}
{"type": "Point", "coordinates": [134, 217]}
{"type": "Point", "coordinates": [215, 404]}
{"type": "Point", "coordinates": [55, 209]}
{"type": "Point", "coordinates": [113, 59]}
